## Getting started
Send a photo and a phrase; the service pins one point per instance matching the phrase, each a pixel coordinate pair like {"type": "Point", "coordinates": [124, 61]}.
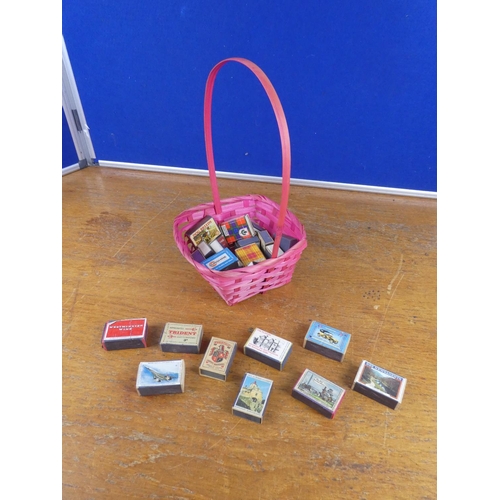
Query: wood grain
{"type": "Point", "coordinates": [369, 269]}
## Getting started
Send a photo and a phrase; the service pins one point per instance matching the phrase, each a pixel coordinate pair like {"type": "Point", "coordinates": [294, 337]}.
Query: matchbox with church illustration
{"type": "Point", "coordinates": [318, 393]}
{"type": "Point", "coordinates": [326, 340]}
{"type": "Point", "coordinates": [218, 358]}
{"type": "Point", "coordinates": [379, 384]}
{"type": "Point", "coordinates": [180, 337]}
{"type": "Point", "coordinates": [251, 401]}
{"type": "Point", "coordinates": [160, 377]}
{"type": "Point", "coordinates": [268, 348]}
{"type": "Point", "coordinates": [125, 334]}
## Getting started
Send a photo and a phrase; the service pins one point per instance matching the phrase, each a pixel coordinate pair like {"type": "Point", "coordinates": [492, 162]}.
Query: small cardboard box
{"type": "Point", "coordinates": [268, 348]}
{"type": "Point", "coordinates": [318, 393]}
{"type": "Point", "coordinates": [253, 396]}
{"type": "Point", "coordinates": [125, 334]}
{"type": "Point", "coordinates": [218, 358]}
{"type": "Point", "coordinates": [327, 341]}
{"type": "Point", "coordinates": [379, 384]}
{"type": "Point", "coordinates": [160, 377]}
{"type": "Point", "coordinates": [180, 337]}
{"type": "Point", "coordinates": [249, 254]}
{"type": "Point", "coordinates": [238, 228]}
{"type": "Point", "coordinates": [222, 261]}
{"type": "Point", "coordinates": [206, 230]}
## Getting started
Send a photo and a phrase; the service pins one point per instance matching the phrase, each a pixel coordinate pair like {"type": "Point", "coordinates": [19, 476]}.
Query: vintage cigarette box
{"type": "Point", "coordinates": [237, 229]}
{"type": "Point", "coordinates": [222, 261]}
{"type": "Point", "coordinates": [379, 384]}
{"type": "Point", "coordinates": [218, 358]}
{"type": "Point", "coordinates": [267, 348]}
{"type": "Point", "coordinates": [249, 253]}
{"type": "Point", "coordinates": [160, 377]}
{"type": "Point", "coordinates": [319, 393]}
{"type": "Point", "coordinates": [251, 401]}
{"type": "Point", "coordinates": [206, 230]}
{"type": "Point", "coordinates": [180, 337]}
{"type": "Point", "coordinates": [327, 341]}
{"type": "Point", "coordinates": [125, 334]}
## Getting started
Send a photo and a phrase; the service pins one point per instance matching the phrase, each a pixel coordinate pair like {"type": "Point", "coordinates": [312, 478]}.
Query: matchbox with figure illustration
{"type": "Point", "coordinates": [218, 358]}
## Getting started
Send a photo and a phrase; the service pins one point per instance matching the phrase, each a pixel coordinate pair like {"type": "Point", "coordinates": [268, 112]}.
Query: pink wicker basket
{"type": "Point", "coordinates": [237, 285]}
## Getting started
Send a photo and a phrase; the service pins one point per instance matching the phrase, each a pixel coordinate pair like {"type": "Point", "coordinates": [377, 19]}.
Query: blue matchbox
{"type": "Point", "coordinates": [222, 261]}
{"type": "Point", "coordinates": [327, 341]}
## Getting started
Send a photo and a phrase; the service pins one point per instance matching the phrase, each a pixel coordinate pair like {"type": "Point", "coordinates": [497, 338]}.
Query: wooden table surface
{"type": "Point", "coordinates": [369, 270]}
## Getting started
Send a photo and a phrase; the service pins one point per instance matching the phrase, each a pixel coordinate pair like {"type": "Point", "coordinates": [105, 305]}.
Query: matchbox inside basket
{"type": "Point", "coordinates": [236, 285]}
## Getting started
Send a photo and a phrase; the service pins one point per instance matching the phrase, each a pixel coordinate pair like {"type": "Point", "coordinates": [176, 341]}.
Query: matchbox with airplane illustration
{"type": "Point", "coordinates": [125, 334]}
{"type": "Point", "coordinates": [218, 358]}
{"type": "Point", "coordinates": [379, 384]}
{"type": "Point", "coordinates": [160, 377]}
{"type": "Point", "coordinates": [180, 337]}
{"type": "Point", "coordinates": [268, 348]}
{"type": "Point", "coordinates": [251, 401]}
{"type": "Point", "coordinates": [327, 341]}
{"type": "Point", "coordinates": [318, 393]}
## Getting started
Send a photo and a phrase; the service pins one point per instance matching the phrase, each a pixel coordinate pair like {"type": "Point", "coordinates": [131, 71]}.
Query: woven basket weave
{"type": "Point", "coordinates": [237, 285]}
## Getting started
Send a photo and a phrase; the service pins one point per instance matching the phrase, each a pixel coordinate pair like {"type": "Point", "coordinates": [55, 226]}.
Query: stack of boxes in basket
{"type": "Point", "coordinates": [234, 243]}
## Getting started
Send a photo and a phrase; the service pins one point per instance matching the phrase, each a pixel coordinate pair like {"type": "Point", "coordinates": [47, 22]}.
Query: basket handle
{"type": "Point", "coordinates": [284, 136]}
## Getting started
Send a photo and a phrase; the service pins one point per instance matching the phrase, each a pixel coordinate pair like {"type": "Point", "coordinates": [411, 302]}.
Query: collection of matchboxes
{"type": "Point", "coordinates": [238, 242]}
{"type": "Point", "coordinates": [167, 377]}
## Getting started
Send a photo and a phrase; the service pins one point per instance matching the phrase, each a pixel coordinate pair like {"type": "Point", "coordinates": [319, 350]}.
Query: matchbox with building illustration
{"type": "Point", "coordinates": [318, 393]}
{"type": "Point", "coordinates": [268, 348]}
{"type": "Point", "coordinates": [179, 337]}
{"type": "Point", "coordinates": [251, 401]}
{"type": "Point", "coordinates": [218, 358]}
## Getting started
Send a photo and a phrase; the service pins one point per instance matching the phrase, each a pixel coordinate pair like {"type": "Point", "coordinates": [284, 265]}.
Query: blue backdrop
{"type": "Point", "coordinates": [357, 81]}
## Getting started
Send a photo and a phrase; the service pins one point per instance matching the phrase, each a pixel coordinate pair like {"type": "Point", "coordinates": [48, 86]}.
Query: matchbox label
{"type": "Point", "coordinates": [182, 334]}
{"type": "Point", "coordinates": [270, 345]}
{"type": "Point", "coordinates": [381, 380]}
{"type": "Point", "coordinates": [125, 328]}
{"type": "Point", "coordinates": [218, 355]}
{"type": "Point", "coordinates": [206, 231]}
{"type": "Point", "coordinates": [328, 337]}
{"type": "Point", "coordinates": [221, 259]}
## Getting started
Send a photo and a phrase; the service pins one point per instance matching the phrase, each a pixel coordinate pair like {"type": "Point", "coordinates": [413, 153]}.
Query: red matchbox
{"type": "Point", "coordinates": [125, 334]}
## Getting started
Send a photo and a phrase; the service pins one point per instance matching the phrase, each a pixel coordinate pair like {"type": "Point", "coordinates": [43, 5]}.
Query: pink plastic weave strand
{"type": "Point", "coordinates": [283, 130]}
